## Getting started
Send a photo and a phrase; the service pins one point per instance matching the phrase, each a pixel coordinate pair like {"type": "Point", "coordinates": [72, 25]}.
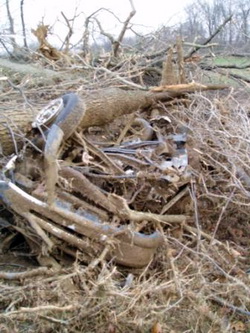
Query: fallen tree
{"type": "Point", "coordinates": [102, 107]}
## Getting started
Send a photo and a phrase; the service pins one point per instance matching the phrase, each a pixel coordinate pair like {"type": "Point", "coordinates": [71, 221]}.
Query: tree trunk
{"type": "Point", "coordinates": [23, 25]}
{"type": "Point", "coordinates": [102, 107]}
{"type": "Point", "coordinates": [11, 26]}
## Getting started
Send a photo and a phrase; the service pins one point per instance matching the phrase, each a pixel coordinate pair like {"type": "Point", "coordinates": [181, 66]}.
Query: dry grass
{"type": "Point", "coordinates": [183, 290]}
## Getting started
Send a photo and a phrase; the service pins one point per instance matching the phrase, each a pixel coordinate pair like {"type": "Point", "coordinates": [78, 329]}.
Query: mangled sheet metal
{"type": "Point", "coordinates": [84, 195]}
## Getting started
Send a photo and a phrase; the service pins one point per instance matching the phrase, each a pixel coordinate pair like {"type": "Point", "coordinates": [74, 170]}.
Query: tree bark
{"type": "Point", "coordinates": [102, 107]}
{"type": "Point", "coordinates": [11, 27]}
{"type": "Point", "coordinates": [23, 25]}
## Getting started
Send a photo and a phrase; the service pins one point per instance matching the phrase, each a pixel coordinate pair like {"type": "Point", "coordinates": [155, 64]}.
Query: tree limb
{"type": "Point", "coordinates": [208, 40]}
{"type": "Point", "coordinates": [122, 33]}
{"type": "Point", "coordinates": [69, 34]}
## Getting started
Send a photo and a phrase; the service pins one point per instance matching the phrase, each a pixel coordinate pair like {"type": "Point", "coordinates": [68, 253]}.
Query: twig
{"type": "Point", "coordinates": [119, 78]}
{"type": "Point", "coordinates": [101, 257]}
{"type": "Point", "coordinates": [223, 302]}
{"type": "Point", "coordinates": [192, 192]}
{"type": "Point", "coordinates": [38, 309]}
{"type": "Point", "coordinates": [54, 320]}
{"type": "Point", "coordinates": [34, 222]}
{"type": "Point", "coordinates": [223, 210]}
{"type": "Point", "coordinates": [85, 37]}
{"type": "Point", "coordinates": [122, 33]}
{"type": "Point", "coordinates": [126, 128]}
{"type": "Point", "coordinates": [69, 34]}
{"type": "Point", "coordinates": [21, 92]}
{"type": "Point", "coordinates": [200, 45]}
{"type": "Point", "coordinates": [158, 53]}
{"type": "Point", "coordinates": [137, 216]}
{"type": "Point", "coordinates": [117, 42]}
{"type": "Point", "coordinates": [43, 271]}
{"type": "Point", "coordinates": [12, 55]}
{"type": "Point", "coordinates": [175, 274]}
{"type": "Point", "coordinates": [104, 33]}
{"type": "Point", "coordinates": [174, 200]}
{"type": "Point", "coordinates": [185, 88]}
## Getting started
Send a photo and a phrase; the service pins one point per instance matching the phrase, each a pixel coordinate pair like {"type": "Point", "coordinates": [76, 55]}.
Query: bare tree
{"type": "Point", "coordinates": [116, 42]}
{"type": "Point", "coordinates": [203, 18]}
{"type": "Point", "coordinates": [23, 24]}
{"type": "Point", "coordinates": [243, 17]}
{"type": "Point", "coordinates": [69, 23]}
{"type": "Point", "coordinates": [11, 26]}
{"type": "Point", "coordinates": [86, 33]}
{"type": "Point", "coordinates": [193, 27]}
{"type": "Point", "coordinates": [124, 28]}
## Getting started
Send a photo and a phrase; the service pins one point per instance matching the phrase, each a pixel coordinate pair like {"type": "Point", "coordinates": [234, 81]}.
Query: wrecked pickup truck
{"type": "Point", "coordinates": [102, 191]}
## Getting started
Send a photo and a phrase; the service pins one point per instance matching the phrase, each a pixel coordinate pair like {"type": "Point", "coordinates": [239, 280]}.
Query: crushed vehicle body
{"type": "Point", "coordinates": [83, 195]}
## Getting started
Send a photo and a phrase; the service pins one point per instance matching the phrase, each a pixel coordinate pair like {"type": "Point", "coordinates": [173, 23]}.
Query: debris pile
{"type": "Point", "coordinates": [136, 199]}
{"type": "Point", "coordinates": [99, 193]}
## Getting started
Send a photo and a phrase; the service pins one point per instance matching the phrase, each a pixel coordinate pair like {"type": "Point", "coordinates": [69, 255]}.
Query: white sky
{"type": "Point", "coordinates": [150, 14]}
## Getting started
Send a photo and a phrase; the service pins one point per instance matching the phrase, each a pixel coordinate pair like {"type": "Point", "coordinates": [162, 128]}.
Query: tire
{"type": "Point", "coordinates": [71, 115]}
{"type": "Point", "coordinates": [68, 119]}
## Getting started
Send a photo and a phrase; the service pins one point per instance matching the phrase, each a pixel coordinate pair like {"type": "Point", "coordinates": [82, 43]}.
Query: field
{"type": "Point", "coordinates": [232, 70]}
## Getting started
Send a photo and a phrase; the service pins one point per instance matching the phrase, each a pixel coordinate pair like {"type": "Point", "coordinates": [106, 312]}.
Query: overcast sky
{"type": "Point", "coordinates": [150, 14]}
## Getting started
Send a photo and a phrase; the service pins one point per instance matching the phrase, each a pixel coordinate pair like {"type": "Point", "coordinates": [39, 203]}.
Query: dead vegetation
{"type": "Point", "coordinates": [132, 174]}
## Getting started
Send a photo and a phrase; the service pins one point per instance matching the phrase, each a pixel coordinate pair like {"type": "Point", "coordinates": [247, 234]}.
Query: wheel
{"type": "Point", "coordinates": [65, 112]}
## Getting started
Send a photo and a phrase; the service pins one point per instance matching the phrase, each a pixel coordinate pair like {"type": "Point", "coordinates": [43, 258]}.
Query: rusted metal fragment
{"type": "Point", "coordinates": [132, 249]}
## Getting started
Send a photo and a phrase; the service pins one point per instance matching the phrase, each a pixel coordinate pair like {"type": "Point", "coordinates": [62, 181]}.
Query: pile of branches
{"type": "Point", "coordinates": [200, 208]}
{"type": "Point", "coordinates": [220, 131]}
{"type": "Point", "coordinates": [144, 168]}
